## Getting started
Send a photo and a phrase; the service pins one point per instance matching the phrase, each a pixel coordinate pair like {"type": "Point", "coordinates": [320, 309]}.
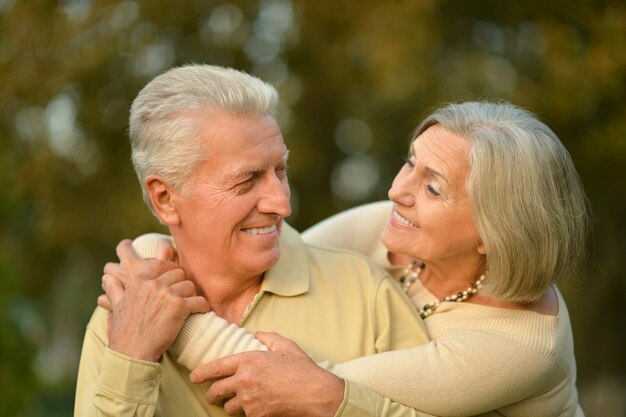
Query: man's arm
{"type": "Point", "coordinates": [110, 384]}
{"type": "Point", "coordinates": [150, 299]}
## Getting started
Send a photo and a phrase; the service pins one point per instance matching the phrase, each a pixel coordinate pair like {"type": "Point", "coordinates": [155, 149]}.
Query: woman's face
{"type": "Point", "coordinates": [432, 215]}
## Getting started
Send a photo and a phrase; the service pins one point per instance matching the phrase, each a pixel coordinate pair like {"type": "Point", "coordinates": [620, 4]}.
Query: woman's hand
{"type": "Point", "coordinates": [284, 381]}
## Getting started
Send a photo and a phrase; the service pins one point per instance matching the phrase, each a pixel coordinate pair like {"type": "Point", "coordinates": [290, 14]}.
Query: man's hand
{"type": "Point", "coordinates": [263, 384]}
{"type": "Point", "coordinates": [148, 269]}
{"type": "Point", "coordinates": [149, 302]}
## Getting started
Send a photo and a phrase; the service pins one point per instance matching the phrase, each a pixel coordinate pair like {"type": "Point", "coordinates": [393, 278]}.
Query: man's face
{"type": "Point", "coordinates": [236, 200]}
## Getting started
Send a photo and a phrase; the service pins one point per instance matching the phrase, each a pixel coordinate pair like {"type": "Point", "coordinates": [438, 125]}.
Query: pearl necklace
{"type": "Point", "coordinates": [410, 275]}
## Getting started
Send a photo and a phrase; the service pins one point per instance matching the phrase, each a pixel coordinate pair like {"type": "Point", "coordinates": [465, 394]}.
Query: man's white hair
{"type": "Point", "coordinates": [166, 117]}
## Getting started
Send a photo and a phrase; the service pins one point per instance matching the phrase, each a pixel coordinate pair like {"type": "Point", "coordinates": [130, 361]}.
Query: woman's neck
{"type": "Point", "coordinates": [444, 281]}
{"type": "Point", "coordinates": [444, 278]}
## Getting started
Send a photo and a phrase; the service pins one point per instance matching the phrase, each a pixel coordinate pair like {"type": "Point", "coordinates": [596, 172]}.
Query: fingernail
{"type": "Point", "coordinates": [193, 378]}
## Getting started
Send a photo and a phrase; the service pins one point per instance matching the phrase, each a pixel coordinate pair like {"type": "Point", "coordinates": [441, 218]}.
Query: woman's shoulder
{"type": "Point", "coordinates": [535, 334]}
{"type": "Point", "coordinates": [357, 229]}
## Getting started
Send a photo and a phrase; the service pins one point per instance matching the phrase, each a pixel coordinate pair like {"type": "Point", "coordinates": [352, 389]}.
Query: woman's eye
{"type": "Point", "coordinates": [409, 162]}
{"type": "Point", "coordinates": [433, 189]}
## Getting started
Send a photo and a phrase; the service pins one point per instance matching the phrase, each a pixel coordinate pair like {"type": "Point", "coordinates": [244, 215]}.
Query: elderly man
{"type": "Point", "coordinates": [213, 167]}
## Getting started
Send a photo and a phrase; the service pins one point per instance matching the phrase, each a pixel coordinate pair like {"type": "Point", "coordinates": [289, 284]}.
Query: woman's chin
{"type": "Point", "coordinates": [392, 242]}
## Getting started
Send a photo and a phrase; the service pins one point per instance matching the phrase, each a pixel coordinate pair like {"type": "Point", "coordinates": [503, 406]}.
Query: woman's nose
{"type": "Point", "coordinates": [402, 191]}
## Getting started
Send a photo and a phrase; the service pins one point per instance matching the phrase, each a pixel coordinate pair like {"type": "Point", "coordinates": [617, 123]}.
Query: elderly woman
{"type": "Point", "coordinates": [486, 215]}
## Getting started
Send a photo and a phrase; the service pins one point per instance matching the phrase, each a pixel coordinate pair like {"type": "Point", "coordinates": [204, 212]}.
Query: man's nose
{"type": "Point", "coordinates": [275, 199]}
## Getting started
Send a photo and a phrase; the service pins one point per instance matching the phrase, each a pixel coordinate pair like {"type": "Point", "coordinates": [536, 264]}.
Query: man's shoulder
{"type": "Point", "coordinates": [331, 259]}
{"type": "Point", "coordinates": [98, 324]}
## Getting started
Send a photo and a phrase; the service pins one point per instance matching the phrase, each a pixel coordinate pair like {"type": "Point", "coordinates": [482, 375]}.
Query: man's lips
{"type": "Point", "coordinates": [260, 230]}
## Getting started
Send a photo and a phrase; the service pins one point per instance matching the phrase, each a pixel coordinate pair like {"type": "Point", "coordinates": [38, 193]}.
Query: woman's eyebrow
{"type": "Point", "coordinates": [433, 172]}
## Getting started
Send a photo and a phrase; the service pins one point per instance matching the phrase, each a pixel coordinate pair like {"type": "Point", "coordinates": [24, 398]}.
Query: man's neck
{"type": "Point", "coordinates": [228, 292]}
{"type": "Point", "coordinates": [229, 297]}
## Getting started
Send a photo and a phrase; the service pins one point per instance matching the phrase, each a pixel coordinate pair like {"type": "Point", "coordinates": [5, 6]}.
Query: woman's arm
{"type": "Point", "coordinates": [464, 373]}
{"type": "Point", "coordinates": [357, 229]}
{"type": "Point", "coordinates": [275, 384]}
{"type": "Point", "coordinates": [204, 337]}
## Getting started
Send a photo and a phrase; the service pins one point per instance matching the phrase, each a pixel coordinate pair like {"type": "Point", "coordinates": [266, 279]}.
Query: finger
{"type": "Point", "coordinates": [220, 368]}
{"type": "Point", "coordinates": [111, 268]}
{"type": "Point", "coordinates": [109, 318]}
{"type": "Point", "coordinates": [197, 304]}
{"type": "Point", "coordinates": [103, 301]}
{"type": "Point", "coordinates": [114, 275]}
{"type": "Point", "coordinates": [276, 342]}
{"type": "Point", "coordinates": [165, 250]}
{"type": "Point", "coordinates": [114, 289]}
{"type": "Point", "coordinates": [220, 391]}
{"type": "Point", "coordinates": [171, 277]}
{"type": "Point", "coordinates": [184, 289]}
{"type": "Point", "coordinates": [233, 406]}
{"type": "Point", "coordinates": [125, 251]}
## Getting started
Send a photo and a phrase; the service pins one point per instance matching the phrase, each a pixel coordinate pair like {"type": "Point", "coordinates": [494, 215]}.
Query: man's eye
{"type": "Point", "coordinates": [409, 162]}
{"type": "Point", "coordinates": [281, 171]}
{"type": "Point", "coordinates": [247, 182]}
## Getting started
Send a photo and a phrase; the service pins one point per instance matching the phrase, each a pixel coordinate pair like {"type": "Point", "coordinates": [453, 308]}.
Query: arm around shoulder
{"type": "Point", "coordinates": [204, 337]}
{"type": "Point", "coordinates": [361, 402]}
{"type": "Point", "coordinates": [398, 325]}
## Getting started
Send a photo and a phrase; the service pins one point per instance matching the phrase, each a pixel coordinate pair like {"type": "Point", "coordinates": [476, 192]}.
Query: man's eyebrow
{"type": "Point", "coordinates": [247, 171]}
{"type": "Point", "coordinates": [254, 170]}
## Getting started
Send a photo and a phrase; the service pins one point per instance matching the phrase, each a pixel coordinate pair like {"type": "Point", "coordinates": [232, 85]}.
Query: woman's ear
{"type": "Point", "coordinates": [163, 198]}
{"type": "Point", "coordinates": [481, 247]}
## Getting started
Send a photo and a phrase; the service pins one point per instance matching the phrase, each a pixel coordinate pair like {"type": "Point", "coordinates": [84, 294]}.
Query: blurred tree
{"type": "Point", "coordinates": [355, 78]}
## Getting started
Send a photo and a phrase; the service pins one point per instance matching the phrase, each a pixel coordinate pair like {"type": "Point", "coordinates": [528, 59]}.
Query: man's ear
{"type": "Point", "coordinates": [163, 198]}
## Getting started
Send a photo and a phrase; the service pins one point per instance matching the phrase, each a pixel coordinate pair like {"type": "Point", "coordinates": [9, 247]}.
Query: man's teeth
{"type": "Point", "coordinates": [403, 220]}
{"type": "Point", "coordinates": [261, 230]}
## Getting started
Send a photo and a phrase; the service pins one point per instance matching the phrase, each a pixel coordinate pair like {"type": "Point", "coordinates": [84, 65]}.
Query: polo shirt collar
{"type": "Point", "coordinates": [291, 275]}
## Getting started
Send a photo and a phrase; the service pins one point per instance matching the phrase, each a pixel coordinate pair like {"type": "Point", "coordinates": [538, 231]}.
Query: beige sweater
{"type": "Point", "coordinates": [482, 360]}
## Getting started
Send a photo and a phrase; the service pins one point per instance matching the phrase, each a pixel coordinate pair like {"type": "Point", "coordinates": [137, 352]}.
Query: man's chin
{"type": "Point", "coordinates": [261, 262]}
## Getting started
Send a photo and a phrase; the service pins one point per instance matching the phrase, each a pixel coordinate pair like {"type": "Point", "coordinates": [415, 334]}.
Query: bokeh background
{"type": "Point", "coordinates": [355, 78]}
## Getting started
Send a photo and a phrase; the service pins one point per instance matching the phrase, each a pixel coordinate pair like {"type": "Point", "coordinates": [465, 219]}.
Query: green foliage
{"type": "Point", "coordinates": [16, 350]}
{"type": "Point", "coordinates": [355, 79]}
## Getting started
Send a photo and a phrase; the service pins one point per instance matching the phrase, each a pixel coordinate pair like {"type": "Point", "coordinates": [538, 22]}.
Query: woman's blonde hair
{"type": "Point", "coordinates": [529, 205]}
{"type": "Point", "coordinates": [166, 117]}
